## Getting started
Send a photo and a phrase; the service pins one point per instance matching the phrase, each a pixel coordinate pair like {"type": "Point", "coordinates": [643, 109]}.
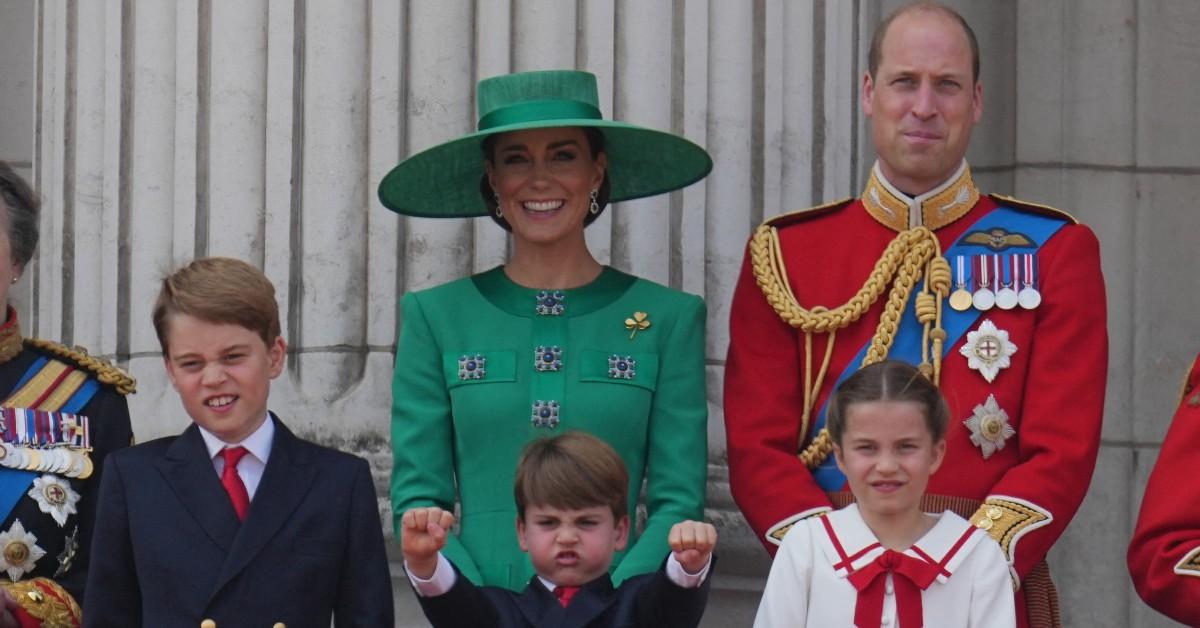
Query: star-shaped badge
{"type": "Point", "coordinates": [54, 497]}
{"type": "Point", "coordinates": [989, 427]}
{"type": "Point", "coordinates": [988, 349]}
{"type": "Point", "coordinates": [19, 551]}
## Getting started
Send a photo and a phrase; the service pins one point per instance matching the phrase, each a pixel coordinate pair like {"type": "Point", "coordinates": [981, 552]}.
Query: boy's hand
{"type": "Point", "coordinates": [422, 534]}
{"type": "Point", "coordinates": [692, 542]}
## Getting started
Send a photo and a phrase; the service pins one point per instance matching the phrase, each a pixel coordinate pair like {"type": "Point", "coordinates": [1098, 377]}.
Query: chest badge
{"type": "Point", "coordinates": [54, 497]}
{"type": "Point", "coordinates": [988, 350]}
{"type": "Point", "coordinates": [989, 427]}
{"type": "Point", "coordinates": [639, 322]}
{"type": "Point", "coordinates": [19, 551]}
{"type": "Point", "coordinates": [550, 303]}
{"type": "Point", "coordinates": [472, 367]}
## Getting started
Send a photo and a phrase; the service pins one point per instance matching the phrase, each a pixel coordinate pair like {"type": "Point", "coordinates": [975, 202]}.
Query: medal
{"type": "Point", "coordinates": [1006, 296]}
{"type": "Point", "coordinates": [983, 299]}
{"type": "Point", "coordinates": [1029, 297]}
{"type": "Point", "coordinates": [989, 427]}
{"type": "Point", "coordinates": [988, 350]}
{"type": "Point", "coordinates": [54, 497]}
{"type": "Point", "coordinates": [960, 300]}
{"type": "Point", "coordinates": [19, 551]}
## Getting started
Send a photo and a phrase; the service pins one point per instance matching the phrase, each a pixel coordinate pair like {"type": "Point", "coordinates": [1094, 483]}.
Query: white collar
{"type": "Point", "coordinates": [947, 543]}
{"type": "Point", "coordinates": [258, 443]}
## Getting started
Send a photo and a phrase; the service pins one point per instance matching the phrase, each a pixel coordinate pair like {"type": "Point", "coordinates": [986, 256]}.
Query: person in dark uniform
{"type": "Point", "coordinates": [63, 411]}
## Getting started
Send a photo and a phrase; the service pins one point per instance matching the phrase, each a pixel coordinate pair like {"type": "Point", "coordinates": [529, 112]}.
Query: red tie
{"type": "Point", "coordinates": [233, 482]}
{"type": "Point", "coordinates": [564, 594]}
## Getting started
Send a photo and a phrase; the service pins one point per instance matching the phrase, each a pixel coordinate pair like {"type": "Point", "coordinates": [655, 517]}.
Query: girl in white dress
{"type": "Point", "coordinates": [882, 561]}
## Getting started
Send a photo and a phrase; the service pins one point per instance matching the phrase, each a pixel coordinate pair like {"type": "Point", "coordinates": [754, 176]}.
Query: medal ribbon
{"type": "Point", "coordinates": [907, 344]}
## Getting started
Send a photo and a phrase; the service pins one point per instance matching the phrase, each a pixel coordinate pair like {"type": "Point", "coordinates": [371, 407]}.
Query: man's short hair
{"type": "Point", "coordinates": [572, 471]}
{"type": "Point", "coordinates": [219, 290]}
{"type": "Point", "coordinates": [875, 55]}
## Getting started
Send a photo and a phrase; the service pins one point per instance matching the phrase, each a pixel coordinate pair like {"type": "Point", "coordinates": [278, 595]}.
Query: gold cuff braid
{"type": "Point", "coordinates": [46, 601]}
{"type": "Point", "coordinates": [1006, 520]}
{"type": "Point", "coordinates": [911, 254]}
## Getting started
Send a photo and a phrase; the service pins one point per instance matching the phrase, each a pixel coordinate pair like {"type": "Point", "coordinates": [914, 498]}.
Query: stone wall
{"type": "Point", "coordinates": [159, 131]}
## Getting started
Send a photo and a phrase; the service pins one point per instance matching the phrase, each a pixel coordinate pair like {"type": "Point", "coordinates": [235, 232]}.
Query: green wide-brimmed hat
{"type": "Point", "coordinates": [443, 181]}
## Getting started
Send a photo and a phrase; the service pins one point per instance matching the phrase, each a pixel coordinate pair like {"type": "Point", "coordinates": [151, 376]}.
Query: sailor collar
{"type": "Point", "coordinates": [934, 209]}
{"type": "Point", "coordinates": [849, 544]}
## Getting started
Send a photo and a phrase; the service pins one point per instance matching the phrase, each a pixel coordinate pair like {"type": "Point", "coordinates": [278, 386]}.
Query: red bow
{"type": "Point", "coordinates": [910, 576]}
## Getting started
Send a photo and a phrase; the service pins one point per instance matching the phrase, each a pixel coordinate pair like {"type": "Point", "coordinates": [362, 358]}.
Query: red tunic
{"type": "Point", "coordinates": [1164, 554]}
{"type": "Point", "coordinates": [1053, 391]}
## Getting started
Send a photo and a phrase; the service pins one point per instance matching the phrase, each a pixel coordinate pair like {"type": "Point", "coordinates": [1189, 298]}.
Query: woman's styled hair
{"type": "Point", "coordinates": [595, 139]}
{"type": "Point", "coordinates": [572, 471]}
{"type": "Point", "coordinates": [218, 290]}
{"type": "Point", "coordinates": [20, 215]}
{"type": "Point", "coordinates": [890, 380]}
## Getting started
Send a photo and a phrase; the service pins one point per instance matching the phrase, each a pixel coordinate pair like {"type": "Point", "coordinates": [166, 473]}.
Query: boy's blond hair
{"type": "Point", "coordinates": [219, 290]}
{"type": "Point", "coordinates": [572, 471]}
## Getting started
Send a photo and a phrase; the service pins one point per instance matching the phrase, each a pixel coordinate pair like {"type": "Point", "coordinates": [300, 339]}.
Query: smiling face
{"type": "Point", "coordinates": [544, 178]}
{"type": "Point", "coordinates": [888, 454]}
{"type": "Point", "coordinates": [223, 374]}
{"type": "Point", "coordinates": [571, 547]}
{"type": "Point", "coordinates": [923, 100]}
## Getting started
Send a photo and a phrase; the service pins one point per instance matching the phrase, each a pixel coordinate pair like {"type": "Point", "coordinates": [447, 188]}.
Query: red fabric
{"type": "Point", "coordinates": [565, 594]}
{"type": "Point", "coordinates": [25, 620]}
{"type": "Point", "coordinates": [233, 482]}
{"type": "Point", "coordinates": [1053, 391]}
{"type": "Point", "coordinates": [1168, 526]}
{"type": "Point", "coordinates": [910, 576]}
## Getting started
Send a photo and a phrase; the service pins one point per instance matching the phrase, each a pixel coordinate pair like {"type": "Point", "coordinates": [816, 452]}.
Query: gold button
{"type": "Point", "coordinates": [279, 624]}
{"type": "Point", "coordinates": [984, 524]}
{"type": "Point", "coordinates": [995, 512]}
{"type": "Point", "coordinates": [36, 596]}
{"type": "Point", "coordinates": [208, 623]}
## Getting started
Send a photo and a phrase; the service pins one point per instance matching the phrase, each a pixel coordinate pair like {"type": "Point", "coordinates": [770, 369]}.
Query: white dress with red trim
{"type": "Point", "coordinates": [832, 571]}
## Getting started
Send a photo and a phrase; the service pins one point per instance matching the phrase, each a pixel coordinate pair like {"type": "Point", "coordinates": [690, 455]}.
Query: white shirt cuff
{"type": "Point", "coordinates": [442, 579]}
{"type": "Point", "coordinates": [678, 575]}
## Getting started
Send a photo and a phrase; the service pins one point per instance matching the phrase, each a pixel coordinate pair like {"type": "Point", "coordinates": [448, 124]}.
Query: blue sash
{"type": "Point", "coordinates": [14, 483]}
{"type": "Point", "coordinates": [907, 344]}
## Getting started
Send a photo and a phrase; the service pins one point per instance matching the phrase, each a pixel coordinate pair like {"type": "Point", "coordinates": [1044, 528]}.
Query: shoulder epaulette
{"type": "Point", "coordinates": [106, 372]}
{"type": "Point", "coordinates": [782, 220]}
{"type": "Point", "coordinates": [1036, 208]}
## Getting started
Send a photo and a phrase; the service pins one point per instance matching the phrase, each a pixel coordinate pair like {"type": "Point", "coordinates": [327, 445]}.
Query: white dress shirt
{"type": "Point", "coordinates": [258, 448]}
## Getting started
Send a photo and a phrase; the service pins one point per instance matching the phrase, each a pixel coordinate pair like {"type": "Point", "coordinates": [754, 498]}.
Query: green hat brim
{"type": "Point", "coordinates": [443, 181]}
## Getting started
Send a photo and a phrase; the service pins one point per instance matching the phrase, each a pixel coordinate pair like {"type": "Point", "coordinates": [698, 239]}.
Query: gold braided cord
{"type": "Point", "coordinates": [105, 372]}
{"type": "Point", "coordinates": [913, 253]}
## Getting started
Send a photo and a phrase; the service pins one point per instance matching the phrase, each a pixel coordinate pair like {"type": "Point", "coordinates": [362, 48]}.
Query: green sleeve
{"type": "Point", "coordinates": [422, 429]}
{"type": "Point", "coordinates": [677, 461]}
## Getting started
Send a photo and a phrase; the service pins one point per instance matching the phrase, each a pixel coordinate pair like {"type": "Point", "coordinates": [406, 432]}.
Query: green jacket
{"type": "Point", "coordinates": [457, 434]}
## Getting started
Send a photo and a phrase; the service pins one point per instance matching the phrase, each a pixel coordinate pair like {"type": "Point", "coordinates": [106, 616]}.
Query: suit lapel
{"type": "Point", "coordinates": [190, 473]}
{"type": "Point", "coordinates": [285, 482]}
{"type": "Point", "coordinates": [595, 597]}
{"type": "Point", "coordinates": [542, 609]}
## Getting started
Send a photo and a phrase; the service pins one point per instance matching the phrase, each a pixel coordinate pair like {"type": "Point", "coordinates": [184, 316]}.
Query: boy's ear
{"type": "Point", "coordinates": [277, 356]}
{"type": "Point", "coordinates": [837, 457]}
{"type": "Point", "coordinates": [170, 368]}
{"type": "Point", "coordinates": [521, 534]}
{"type": "Point", "coordinates": [621, 531]}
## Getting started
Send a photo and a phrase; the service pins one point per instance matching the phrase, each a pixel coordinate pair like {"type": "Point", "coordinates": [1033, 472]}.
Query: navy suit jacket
{"type": "Point", "coordinates": [168, 549]}
{"type": "Point", "coordinates": [646, 601]}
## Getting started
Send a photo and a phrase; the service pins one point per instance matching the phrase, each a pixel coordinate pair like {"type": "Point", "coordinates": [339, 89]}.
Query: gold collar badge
{"type": "Point", "coordinates": [934, 209]}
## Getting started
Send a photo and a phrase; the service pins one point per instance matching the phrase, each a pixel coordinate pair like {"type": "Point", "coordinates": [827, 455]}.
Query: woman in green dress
{"type": "Point", "coordinates": [552, 340]}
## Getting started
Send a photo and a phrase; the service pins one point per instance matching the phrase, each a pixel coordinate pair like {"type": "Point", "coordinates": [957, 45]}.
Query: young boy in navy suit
{"type": "Point", "coordinates": [235, 522]}
{"type": "Point", "coordinates": [571, 493]}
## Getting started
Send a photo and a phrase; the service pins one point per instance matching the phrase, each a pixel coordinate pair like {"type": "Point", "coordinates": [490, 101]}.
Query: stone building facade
{"type": "Point", "coordinates": [158, 131]}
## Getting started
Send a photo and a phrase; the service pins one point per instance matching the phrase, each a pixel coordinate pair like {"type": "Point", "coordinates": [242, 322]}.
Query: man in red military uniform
{"type": "Point", "coordinates": [1001, 302]}
{"type": "Point", "coordinates": [1164, 554]}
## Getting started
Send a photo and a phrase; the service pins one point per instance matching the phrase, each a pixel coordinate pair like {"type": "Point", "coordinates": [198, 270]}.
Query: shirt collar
{"type": "Point", "coordinates": [934, 209]}
{"type": "Point", "coordinates": [258, 443]}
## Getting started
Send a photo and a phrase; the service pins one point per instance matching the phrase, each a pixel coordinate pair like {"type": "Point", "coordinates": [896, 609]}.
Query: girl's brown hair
{"type": "Point", "coordinates": [890, 380]}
